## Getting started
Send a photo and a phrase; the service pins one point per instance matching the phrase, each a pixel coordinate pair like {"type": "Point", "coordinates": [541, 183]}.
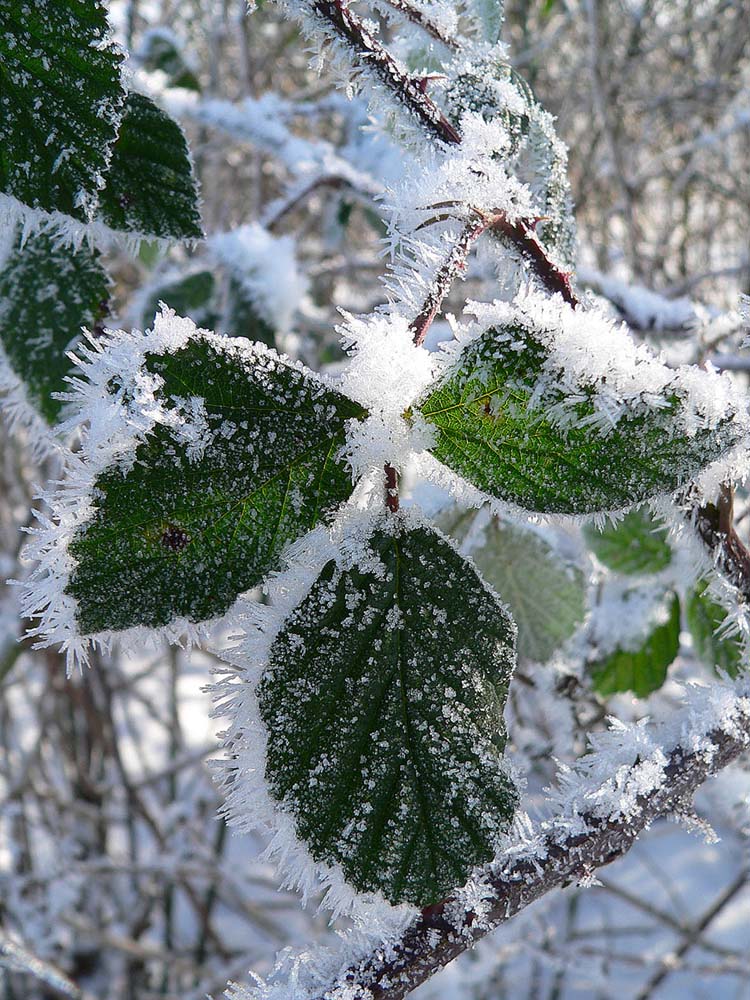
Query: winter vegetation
{"type": "Point", "coordinates": [373, 499]}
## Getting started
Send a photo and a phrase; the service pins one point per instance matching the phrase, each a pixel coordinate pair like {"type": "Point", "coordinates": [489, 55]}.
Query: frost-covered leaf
{"type": "Point", "coordinates": [47, 293]}
{"type": "Point", "coordinates": [543, 411]}
{"type": "Point", "coordinates": [546, 592]}
{"type": "Point", "coordinates": [60, 100]}
{"type": "Point", "coordinates": [644, 668]}
{"type": "Point", "coordinates": [151, 188]}
{"type": "Point", "coordinates": [383, 703]}
{"type": "Point", "coordinates": [240, 457]}
{"type": "Point", "coordinates": [162, 50]}
{"type": "Point", "coordinates": [491, 14]}
{"type": "Point", "coordinates": [637, 544]}
{"type": "Point", "coordinates": [193, 295]}
{"type": "Point", "coordinates": [705, 618]}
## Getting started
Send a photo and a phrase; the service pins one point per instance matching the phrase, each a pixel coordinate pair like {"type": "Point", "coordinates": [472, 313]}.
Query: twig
{"type": "Point", "coordinates": [418, 17]}
{"type": "Point", "coordinates": [369, 53]}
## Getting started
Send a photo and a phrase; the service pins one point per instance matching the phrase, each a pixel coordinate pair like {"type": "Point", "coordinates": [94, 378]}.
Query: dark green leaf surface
{"type": "Point", "coordinates": [545, 592]}
{"type": "Point", "coordinates": [60, 100]}
{"type": "Point", "coordinates": [645, 669]}
{"type": "Point", "coordinates": [151, 188]}
{"type": "Point", "coordinates": [704, 617]}
{"type": "Point", "coordinates": [383, 702]}
{"type": "Point", "coordinates": [184, 531]}
{"type": "Point", "coordinates": [637, 544]}
{"type": "Point", "coordinates": [487, 431]}
{"type": "Point", "coordinates": [47, 294]}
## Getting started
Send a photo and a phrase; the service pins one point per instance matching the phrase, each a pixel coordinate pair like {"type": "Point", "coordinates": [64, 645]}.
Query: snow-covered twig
{"type": "Point", "coordinates": [417, 16]}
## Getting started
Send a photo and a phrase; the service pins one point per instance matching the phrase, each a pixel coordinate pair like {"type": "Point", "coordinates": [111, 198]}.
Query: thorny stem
{"type": "Point", "coordinates": [715, 526]}
{"type": "Point", "coordinates": [446, 275]}
{"type": "Point", "coordinates": [370, 53]}
{"type": "Point", "coordinates": [391, 488]}
{"type": "Point", "coordinates": [418, 17]}
{"type": "Point", "coordinates": [410, 92]}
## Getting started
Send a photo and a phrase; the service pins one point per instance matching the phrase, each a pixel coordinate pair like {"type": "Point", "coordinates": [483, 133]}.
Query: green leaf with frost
{"type": "Point", "coordinates": [383, 702]}
{"type": "Point", "coordinates": [60, 101]}
{"type": "Point", "coordinates": [545, 592]}
{"type": "Point", "coordinates": [705, 618]}
{"type": "Point", "coordinates": [243, 459]}
{"type": "Point", "coordinates": [644, 669]}
{"type": "Point", "coordinates": [636, 545]}
{"type": "Point", "coordinates": [47, 294]}
{"type": "Point", "coordinates": [151, 188]}
{"type": "Point", "coordinates": [502, 419]}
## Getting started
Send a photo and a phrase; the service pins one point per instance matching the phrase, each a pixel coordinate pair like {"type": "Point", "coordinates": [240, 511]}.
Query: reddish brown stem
{"type": "Point", "coordinates": [446, 275]}
{"type": "Point", "coordinates": [370, 53]}
{"type": "Point", "coordinates": [391, 488]}
{"type": "Point", "coordinates": [417, 17]}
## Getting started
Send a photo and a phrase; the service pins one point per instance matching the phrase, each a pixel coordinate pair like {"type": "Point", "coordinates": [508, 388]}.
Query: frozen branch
{"type": "Point", "coordinates": [418, 17]}
{"type": "Point", "coordinates": [570, 847]}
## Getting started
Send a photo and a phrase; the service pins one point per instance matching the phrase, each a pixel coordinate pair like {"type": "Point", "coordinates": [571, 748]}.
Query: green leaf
{"type": "Point", "coordinates": [160, 52]}
{"type": "Point", "coordinates": [192, 295]}
{"type": "Point", "coordinates": [644, 669]}
{"type": "Point", "coordinates": [705, 618]}
{"type": "Point", "coordinates": [383, 703]}
{"type": "Point", "coordinates": [60, 100]}
{"type": "Point", "coordinates": [47, 293]}
{"type": "Point", "coordinates": [545, 592]}
{"type": "Point", "coordinates": [206, 507]}
{"type": "Point", "coordinates": [635, 545]}
{"type": "Point", "coordinates": [151, 189]}
{"type": "Point", "coordinates": [491, 15]}
{"type": "Point", "coordinates": [496, 420]}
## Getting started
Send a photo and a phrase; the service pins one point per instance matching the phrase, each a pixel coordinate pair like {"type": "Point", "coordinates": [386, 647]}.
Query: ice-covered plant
{"type": "Point", "coordinates": [369, 678]}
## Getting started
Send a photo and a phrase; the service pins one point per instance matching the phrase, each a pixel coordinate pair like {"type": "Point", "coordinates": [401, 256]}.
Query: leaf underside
{"type": "Point", "coordinates": [486, 430]}
{"type": "Point", "coordinates": [47, 293]}
{"type": "Point", "coordinates": [546, 593]}
{"type": "Point", "coordinates": [635, 545]}
{"type": "Point", "coordinates": [60, 98]}
{"type": "Point", "coordinates": [643, 670]}
{"type": "Point", "coordinates": [190, 526]}
{"type": "Point", "coordinates": [151, 188]}
{"type": "Point", "coordinates": [383, 703]}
